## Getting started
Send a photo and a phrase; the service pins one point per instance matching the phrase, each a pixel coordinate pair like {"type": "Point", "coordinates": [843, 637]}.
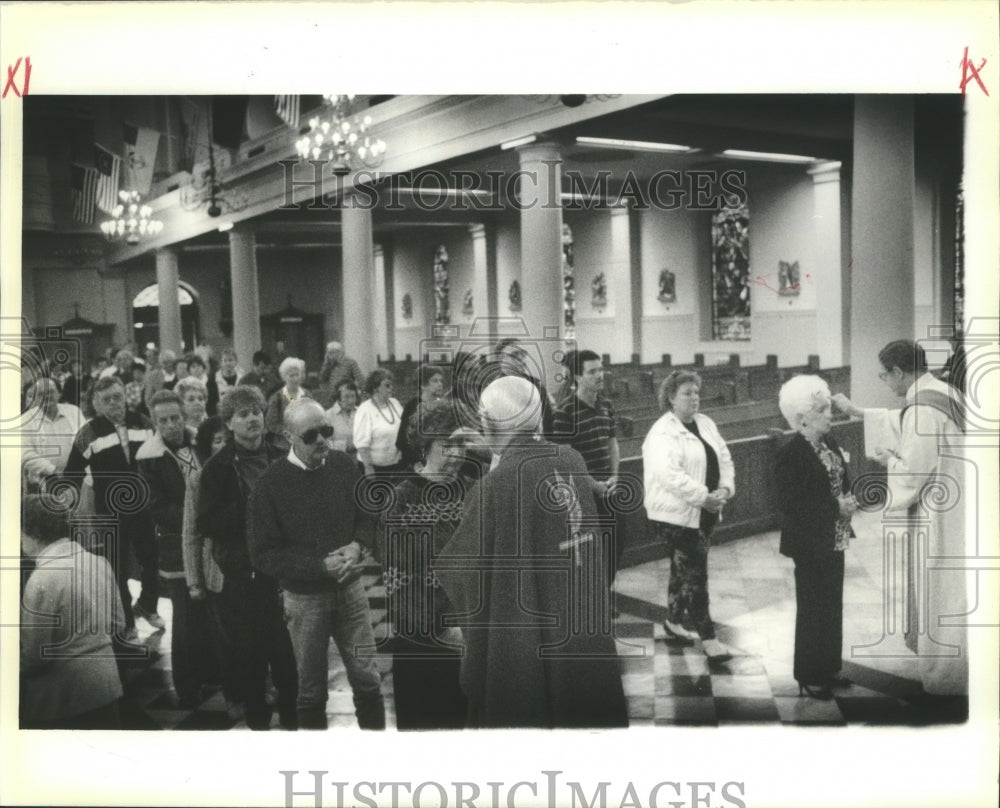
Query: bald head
{"type": "Point", "coordinates": [307, 431]}
{"type": "Point", "coordinates": [511, 405]}
{"type": "Point", "coordinates": [301, 412]}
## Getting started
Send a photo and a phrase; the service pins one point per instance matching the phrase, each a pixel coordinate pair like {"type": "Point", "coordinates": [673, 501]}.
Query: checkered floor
{"type": "Point", "coordinates": [666, 682]}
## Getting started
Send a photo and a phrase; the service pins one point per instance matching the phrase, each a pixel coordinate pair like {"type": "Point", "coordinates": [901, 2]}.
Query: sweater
{"type": "Point", "coordinates": [296, 517]}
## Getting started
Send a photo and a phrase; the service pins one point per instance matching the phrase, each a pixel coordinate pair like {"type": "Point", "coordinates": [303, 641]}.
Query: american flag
{"type": "Point", "coordinates": [108, 168]}
{"type": "Point", "coordinates": [287, 108]}
{"type": "Point", "coordinates": [83, 184]}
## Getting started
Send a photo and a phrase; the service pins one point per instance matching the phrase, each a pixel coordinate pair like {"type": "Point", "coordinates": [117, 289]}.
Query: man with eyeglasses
{"type": "Point", "coordinates": [107, 446]}
{"type": "Point", "coordinates": [925, 478]}
{"type": "Point", "coordinates": [307, 530]}
{"type": "Point", "coordinates": [248, 609]}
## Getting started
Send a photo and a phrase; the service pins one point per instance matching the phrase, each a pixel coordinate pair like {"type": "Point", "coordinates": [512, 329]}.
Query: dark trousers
{"type": "Point", "coordinates": [250, 620]}
{"type": "Point", "coordinates": [613, 539]}
{"type": "Point", "coordinates": [687, 592]}
{"type": "Point", "coordinates": [191, 652]}
{"type": "Point", "coordinates": [135, 534]}
{"type": "Point", "coordinates": [819, 617]}
{"type": "Point", "coordinates": [426, 689]}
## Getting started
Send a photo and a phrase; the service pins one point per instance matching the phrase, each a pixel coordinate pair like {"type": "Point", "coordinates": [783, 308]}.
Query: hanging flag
{"type": "Point", "coordinates": [108, 168]}
{"type": "Point", "coordinates": [141, 143]}
{"type": "Point", "coordinates": [83, 185]}
{"type": "Point", "coordinates": [287, 108]}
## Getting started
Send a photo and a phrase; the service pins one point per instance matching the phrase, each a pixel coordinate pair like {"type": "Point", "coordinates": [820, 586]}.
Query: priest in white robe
{"type": "Point", "coordinates": [926, 478]}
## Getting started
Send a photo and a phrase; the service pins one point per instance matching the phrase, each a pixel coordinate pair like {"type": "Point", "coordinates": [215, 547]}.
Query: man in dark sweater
{"type": "Point", "coordinates": [306, 529]}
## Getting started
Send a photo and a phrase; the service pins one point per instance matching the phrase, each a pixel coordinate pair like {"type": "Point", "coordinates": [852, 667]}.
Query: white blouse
{"type": "Point", "coordinates": [375, 428]}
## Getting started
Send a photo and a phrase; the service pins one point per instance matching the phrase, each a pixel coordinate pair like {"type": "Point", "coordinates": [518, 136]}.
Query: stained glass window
{"type": "Point", "coordinates": [731, 274]}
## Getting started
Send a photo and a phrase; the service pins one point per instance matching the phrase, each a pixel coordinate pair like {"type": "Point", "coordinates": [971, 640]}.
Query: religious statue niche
{"type": "Point", "coordinates": [569, 288]}
{"type": "Point", "coordinates": [731, 274]}
{"type": "Point", "coordinates": [514, 296]}
{"type": "Point", "coordinates": [407, 307]}
{"type": "Point", "coordinates": [788, 278]}
{"type": "Point", "coordinates": [442, 316]}
{"type": "Point", "coordinates": [599, 292]}
{"type": "Point", "coordinates": [668, 287]}
{"type": "Point", "coordinates": [468, 307]}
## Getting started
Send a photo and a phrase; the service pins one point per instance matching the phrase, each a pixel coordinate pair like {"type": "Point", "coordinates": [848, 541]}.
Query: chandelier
{"type": "Point", "coordinates": [206, 189]}
{"type": "Point", "coordinates": [342, 138]}
{"type": "Point", "coordinates": [131, 220]}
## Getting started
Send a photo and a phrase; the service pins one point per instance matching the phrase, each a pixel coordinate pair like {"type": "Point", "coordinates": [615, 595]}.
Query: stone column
{"type": "Point", "coordinates": [541, 252]}
{"type": "Point", "coordinates": [830, 313]}
{"type": "Point", "coordinates": [619, 275]}
{"type": "Point", "coordinates": [380, 311]}
{"type": "Point", "coordinates": [359, 282]}
{"type": "Point", "coordinates": [480, 273]}
{"type": "Point", "coordinates": [167, 277]}
{"type": "Point", "coordinates": [246, 294]}
{"type": "Point", "coordinates": [881, 239]}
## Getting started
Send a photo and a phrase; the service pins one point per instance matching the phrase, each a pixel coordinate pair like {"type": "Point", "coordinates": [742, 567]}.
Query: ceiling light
{"type": "Point", "coordinates": [768, 157]}
{"type": "Point", "coordinates": [521, 141]}
{"type": "Point", "coordinates": [635, 145]}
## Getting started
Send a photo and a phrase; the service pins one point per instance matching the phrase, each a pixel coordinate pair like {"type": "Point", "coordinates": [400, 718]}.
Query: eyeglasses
{"type": "Point", "coordinates": [310, 435]}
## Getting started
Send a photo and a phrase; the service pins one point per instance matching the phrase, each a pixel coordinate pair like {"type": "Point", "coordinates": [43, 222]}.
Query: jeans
{"type": "Point", "coordinates": [344, 615]}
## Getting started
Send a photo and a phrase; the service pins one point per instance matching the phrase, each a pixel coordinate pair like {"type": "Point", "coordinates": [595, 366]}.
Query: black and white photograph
{"type": "Point", "coordinates": [626, 447]}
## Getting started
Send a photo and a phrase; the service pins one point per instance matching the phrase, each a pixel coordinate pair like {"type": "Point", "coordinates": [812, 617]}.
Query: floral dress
{"type": "Point", "coordinates": [834, 466]}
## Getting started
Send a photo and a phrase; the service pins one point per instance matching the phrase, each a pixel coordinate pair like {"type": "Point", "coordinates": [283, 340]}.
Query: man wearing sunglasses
{"type": "Point", "coordinates": [307, 530]}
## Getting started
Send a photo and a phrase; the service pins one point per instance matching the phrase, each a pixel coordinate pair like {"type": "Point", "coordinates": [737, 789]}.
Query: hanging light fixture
{"type": "Point", "coordinates": [206, 189]}
{"type": "Point", "coordinates": [342, 138]}
{"type": "Point", "coordinates": [131, 221]}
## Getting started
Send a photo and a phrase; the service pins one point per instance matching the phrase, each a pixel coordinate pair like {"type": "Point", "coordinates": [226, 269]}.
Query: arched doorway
{"type": "Point", "coordinates": [146, 317]}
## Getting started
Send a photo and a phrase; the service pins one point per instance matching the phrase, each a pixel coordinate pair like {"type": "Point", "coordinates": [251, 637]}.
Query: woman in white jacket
{"type": "Point", "coordinates": [689, 476]}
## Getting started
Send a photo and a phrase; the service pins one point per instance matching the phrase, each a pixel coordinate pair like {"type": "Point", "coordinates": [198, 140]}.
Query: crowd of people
{"type": "Point", "coordinates": [254, 500]}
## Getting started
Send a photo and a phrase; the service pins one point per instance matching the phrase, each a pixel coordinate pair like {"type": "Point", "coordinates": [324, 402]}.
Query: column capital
{"type": "Point", "coordinates": [242, 230]}
{"type": "Point", "coordinates": [825, 172]}
{"type": "Point", "coordinates": [166, 252]}
{"type": "Point", "coordinates": [538, 151]}
{"type": "Point", "coordinates": [477, 231]}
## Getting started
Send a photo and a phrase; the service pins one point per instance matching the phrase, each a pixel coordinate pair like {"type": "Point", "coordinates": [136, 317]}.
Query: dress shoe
{"type": "Point", "coordinates": [716, 651]}
{"type": "Point", "coordinates": [152, 618]}
{"type": "Point", "coordinates": [821, 692]}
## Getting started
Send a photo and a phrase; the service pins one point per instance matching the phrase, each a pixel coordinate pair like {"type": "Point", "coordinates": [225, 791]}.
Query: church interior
{"type": "Point", "coordinates": [747, 237]}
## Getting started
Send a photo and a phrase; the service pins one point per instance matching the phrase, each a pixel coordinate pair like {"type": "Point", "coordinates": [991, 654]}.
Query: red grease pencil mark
{"type": "Point", "coordinates": [760, 281]}
{"type": "Point", "coordinates": [12, 71]}
{"type": "Point", "coordinates": [970, 72]}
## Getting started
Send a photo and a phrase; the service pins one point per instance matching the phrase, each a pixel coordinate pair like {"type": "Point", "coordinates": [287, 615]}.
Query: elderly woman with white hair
{"type": "Point", "coordinates": [292, 371]}
{"type": "Point", "coordinates": [689, 477]}
{"type": "Point", "coordinates": [816, 527]}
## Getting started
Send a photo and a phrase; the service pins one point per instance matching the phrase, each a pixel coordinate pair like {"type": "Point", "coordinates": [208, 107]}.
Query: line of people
{"type": "Point", "coordinates": [496, 530]}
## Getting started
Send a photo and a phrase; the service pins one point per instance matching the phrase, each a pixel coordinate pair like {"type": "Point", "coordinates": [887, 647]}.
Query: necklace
{"type": "Point", "coordinates": [392, 411]}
